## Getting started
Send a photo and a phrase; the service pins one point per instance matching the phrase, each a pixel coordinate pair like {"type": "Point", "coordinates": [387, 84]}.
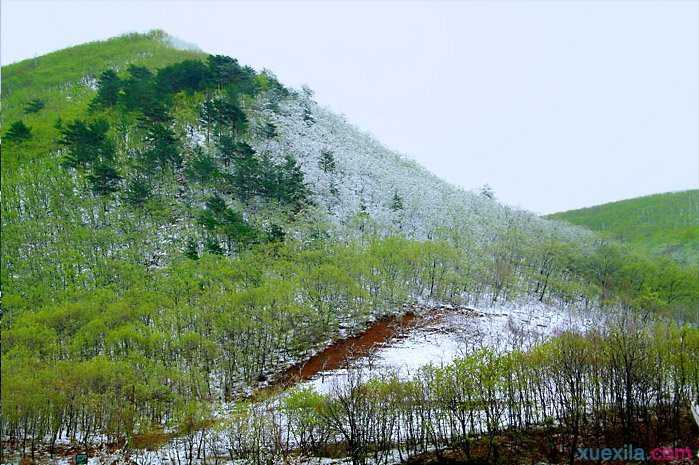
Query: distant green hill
{"type": "Point", "coordinates": [666, 224]}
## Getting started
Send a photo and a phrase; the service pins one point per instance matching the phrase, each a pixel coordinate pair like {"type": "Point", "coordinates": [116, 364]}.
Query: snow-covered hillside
{"type": "Point", "coordinates": [369, 178]}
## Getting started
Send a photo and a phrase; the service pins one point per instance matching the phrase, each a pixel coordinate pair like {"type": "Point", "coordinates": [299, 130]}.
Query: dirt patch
{"type": "Point", "coordinates": [339, 353]}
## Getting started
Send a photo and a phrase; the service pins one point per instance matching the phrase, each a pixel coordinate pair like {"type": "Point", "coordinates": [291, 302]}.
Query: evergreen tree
{"type": "Point", "coordinates": [104, 179]}
{"type": "Point", "coordinates": [236, 229]}
{"type": "Point", "coordinates": [217, 218]}
{"type": "Point", "coordinates": [139, 190]}
{"type": "Point", "coordinates": [227, 148]}
{"type": "Point", "coordinates": [247, 177]}
{"type": "Point", "coordinates": [285, 183]}
{"type": "Point", "coordinates": [139, 89]}
{"type": "Point", "coordinates": [109, 86]}
{"type": "Point", "coordinates": [223, 70]}
{"type": "Point", "coordinates": [162, 148]}
{"type": "Point", "coordinates": [396, 202]}
{"type": "Point", "coordinates": [202, 167]}
{"type": "Point", "coordinates": [276, 233]}
{"type": "Point", "coordinates": [229, 116]}
{"type": "Point", "coordinates": [212, 246]}
{"type": "Point", "coordinates": [212, 215]}
{"type": "Point", "coordinates": [189, 76]}
{"type": "Point", "coordinates": [327, 162]}
{"type": "Point", "coordinates": [87, 143]}
{"type": "Point", "coordinates": [191, 251]}
{"type": "Point", "coordinates": [207, 117]}
{"type": "Point", "coordinates": [222, 115]}
{"type": "Point", "coordinates": [34, 106]}
{"type": "Point", "coordinates": [18, 132]}
{"type": "Point", "coordinates": [246, 83]}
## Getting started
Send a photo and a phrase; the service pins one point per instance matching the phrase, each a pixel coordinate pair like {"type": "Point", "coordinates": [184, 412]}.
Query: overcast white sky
{"type": "Point", "coordinates": [557, 105]}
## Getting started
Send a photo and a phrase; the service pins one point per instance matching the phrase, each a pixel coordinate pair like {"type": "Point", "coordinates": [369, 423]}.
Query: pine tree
{"type": "Point", "coordinates": [139, 190]}
{"type": "Point", "coordinates": [202, 167]}
{"type": "Point", "coordinates": [18, 132]}
{"type": "Point", "coordinates": [191, 251]}
{"type": "Point", "coordinates": [212, 246]}
{"type": "Point", "coordinates": [104, 179]}
{"type": "Point", "coordinates": [34, 106]}
{"type": "Point", "coordinates": [284, 182]}
{"type": "Point", "coordinates": [228, 115]}
{"type": "Point", "coordinates": [327, 162]}
{"type": "Point", "coordinates": [247, 178]}
{"type": "Point", "coordinates": [207, 117]}
{"type": "Point", "coordinates": [87, 143]}
{"type": "Point", "coordinates": [109, 86]}
{"type": "Point", "coordinates": [223, 70]}
{"type": "Point", "coordinates": [217, 218]}
{"type": "Point", "coordinates": [186, 76]}
{"type": "Point", "coordinates": [276, 233]}
{"type": "Point", "coordinates": [162, 148]}
{"type": "Point", "coordinates": [138, 89]}
{"type": "Point", "coordinates": [396, 202]}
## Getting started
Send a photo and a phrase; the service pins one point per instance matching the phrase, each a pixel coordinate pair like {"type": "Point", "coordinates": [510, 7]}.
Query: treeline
{"type": "Point", "coordinates": [629, 384]}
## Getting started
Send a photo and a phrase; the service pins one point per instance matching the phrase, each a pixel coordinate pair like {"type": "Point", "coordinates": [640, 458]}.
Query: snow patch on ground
{"type": "Point", "coordinates": [449, 334]}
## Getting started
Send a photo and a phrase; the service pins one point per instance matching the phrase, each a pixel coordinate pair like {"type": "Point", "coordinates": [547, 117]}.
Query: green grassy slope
{"type": "Point", "coordinates": [63, 80]}
{"type": "Point", "coordinates": [666, 224]}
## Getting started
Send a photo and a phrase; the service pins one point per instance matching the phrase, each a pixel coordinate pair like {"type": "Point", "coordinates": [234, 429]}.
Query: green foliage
{"type": "Point", "coordinates": [199, 266]}
{"type": "Point", "coordinates": [109, 86]}
{"type": "Point", "coordinates": [612, 383]}
{"type": "Point", "coordinates": [661, 224]}
{"type": "Point", "coordinates": [284, 183]}
{"type": "Point", "coordinates": [219, 219]}
{"type": "Point", "coordinates": [161, 148]}
{"type": "Point", "coordinates": [139, 190]}
{"type": "Point", "coordinates": [34, 106]}
{"type": "Point", "coordinates": [203, 168]}
{"type": "Point", "coordinates": [87, 143]}
{"type": "Point", "coordinates": [189, 76]}
{"type": "Point", "coordinates": [18, 132]}
{"type": "Point", "coordinates": [104, 179]}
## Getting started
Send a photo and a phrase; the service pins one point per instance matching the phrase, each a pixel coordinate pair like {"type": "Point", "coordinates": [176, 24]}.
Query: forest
{"type": "Point", "coordinates": [183, 229]}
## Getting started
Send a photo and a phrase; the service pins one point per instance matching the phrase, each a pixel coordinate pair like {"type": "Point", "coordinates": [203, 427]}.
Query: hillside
{"type": "Point", "coordinates": [149, 209]}
{"type": "Point", "coordinates": [179, 230]}
{"type": "Point", "coordinates": [661, 224]}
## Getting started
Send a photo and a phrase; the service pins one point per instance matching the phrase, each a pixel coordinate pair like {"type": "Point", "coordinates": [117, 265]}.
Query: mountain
{"type": "Point", "coordinates": [660, 224]}
{"type": "Point", "coordinates": [179, 229]}
{"type": "Point", "coordinates": [353, 185]}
